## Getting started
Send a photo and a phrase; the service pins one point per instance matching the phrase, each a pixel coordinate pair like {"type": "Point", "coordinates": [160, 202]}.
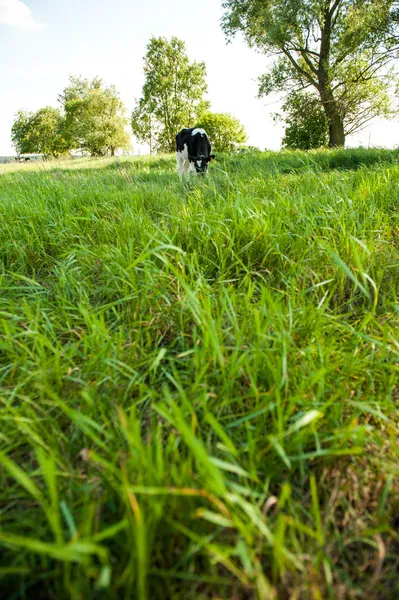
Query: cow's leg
{"type": "Point", "coordinates": [187, 167]}
{"type": "Point", "coordinates": [191, 168]}
{"type": "Point", "coordinates": [180, 163]}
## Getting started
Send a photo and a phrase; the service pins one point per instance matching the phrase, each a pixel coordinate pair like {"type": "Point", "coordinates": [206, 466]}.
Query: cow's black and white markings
{"type": "Point", "coordinates": [193, 151]}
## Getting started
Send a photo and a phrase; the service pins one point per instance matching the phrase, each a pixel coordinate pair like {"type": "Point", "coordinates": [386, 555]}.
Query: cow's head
{"type": "Point", "coordinates": [201, 162]}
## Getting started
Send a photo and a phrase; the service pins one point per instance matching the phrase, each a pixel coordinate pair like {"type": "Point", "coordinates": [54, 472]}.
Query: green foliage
{"type": "Point", "coordinates": [94, 116]}
{"type": "Point", "coordinates": [225, 132]}
{"type": "Point", "coordinates": [342, 49]}
{"type": "Point", "coordinates": [172, 96]}
{"type": "Point", "coordinates": [20, 132]}
{"type": "Point", "coordinates": [42, 132]}
{"type": "Point", "coordinates": [306, 122]}
{"type": "Point", "coordinates": [199, 383]}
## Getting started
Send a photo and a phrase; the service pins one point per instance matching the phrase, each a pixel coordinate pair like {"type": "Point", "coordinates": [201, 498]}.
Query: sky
{"type": "Point", "coordinates": [42, 42]}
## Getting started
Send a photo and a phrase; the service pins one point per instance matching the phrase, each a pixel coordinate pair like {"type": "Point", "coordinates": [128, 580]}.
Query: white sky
{"type": "Point", "coordinates": [43, 41]}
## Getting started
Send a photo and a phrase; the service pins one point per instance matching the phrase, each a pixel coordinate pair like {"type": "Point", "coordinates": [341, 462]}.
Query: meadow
{"type": "Point", "coordinates": [199, 382]}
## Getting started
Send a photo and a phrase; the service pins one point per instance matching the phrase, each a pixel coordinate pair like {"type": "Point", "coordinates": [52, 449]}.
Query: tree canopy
{"type": "Point", "coordinates": [224, 131]}
{"type": "Point", "coordinates": [91, 118]}
{"type": "Point", "coordinates": [94, 116]}
{"type": "Point", "coordinates": [342, 49]}
{"type": "Point", "coordinates": [172, 95]}
{"type": "Point", "coordinates": [41, 132]}
{"type": "Point", "coordinates": [20, 132]}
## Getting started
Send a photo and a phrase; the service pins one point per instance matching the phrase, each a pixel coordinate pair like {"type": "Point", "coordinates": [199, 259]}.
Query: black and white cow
{"type": "Point", "coordinates": [193, 151]}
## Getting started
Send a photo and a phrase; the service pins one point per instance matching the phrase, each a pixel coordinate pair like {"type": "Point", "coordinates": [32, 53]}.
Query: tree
{"type": "Point", "coordinates": [343, 49]}
{"type": "Point", "coordinates": [306, 122]}
{"type": "Point", "coordinates": [224, 130]}
{"type": "Point", "coordinates": [94, 116]}
{"type": "Point", "coordinates": [172, 96]}
{"type": "Point", "coordinates": [20, 133]}
{"type": "Point", "coordinates": [41, 132]}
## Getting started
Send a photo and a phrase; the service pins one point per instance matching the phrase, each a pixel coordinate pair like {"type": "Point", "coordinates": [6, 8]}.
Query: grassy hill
{"type": "Point", "coordinates": [199, 382]}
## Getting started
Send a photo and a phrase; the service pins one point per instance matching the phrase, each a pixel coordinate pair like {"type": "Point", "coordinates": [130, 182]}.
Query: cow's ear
{"type": "Point", "coordinates": [212, 157]}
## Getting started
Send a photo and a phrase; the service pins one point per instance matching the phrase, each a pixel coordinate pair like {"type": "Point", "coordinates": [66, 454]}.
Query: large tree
{"type": "Point", "coordinates": [225, 132]}
{"type": "Point", "coordinates": [41, 132]}
{"type": "Point", "coordinates": [343, 49]}
{"type": "Point", "coordinates": [95, 116]}
{"type": "Point", "coordinates": [172, 96]}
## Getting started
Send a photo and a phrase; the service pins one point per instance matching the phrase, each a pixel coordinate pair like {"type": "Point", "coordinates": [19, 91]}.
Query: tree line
{"type": "Point", "coordinates": [91, 117]}
{"type": "Point", "coordinates": [334, 64]}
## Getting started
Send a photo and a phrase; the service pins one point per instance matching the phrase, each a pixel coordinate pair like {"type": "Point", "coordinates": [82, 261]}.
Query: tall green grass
{"type": "Point", "coordinates": [199, 382]}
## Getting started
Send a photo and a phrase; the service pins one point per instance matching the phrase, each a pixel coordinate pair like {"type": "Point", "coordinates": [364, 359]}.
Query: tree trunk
{"type": "Point", "coordinates": [331, 108]}
{"type": "Point", "coordinates": [336, 132]}
{"type": "Point", "coordinates": [334, 118]}
{"type": "Point", "coordinates": [150, 135]}
{"type": "Point", "coordinates": [112, 151]}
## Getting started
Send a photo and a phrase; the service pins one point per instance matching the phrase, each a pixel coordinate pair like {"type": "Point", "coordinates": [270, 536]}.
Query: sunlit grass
{"type": "Point", "coordinates": [199, 382]}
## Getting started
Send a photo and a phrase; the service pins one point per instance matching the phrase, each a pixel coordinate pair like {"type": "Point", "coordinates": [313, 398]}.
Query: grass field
{"type": "Point", "coordinates": [199, 382]}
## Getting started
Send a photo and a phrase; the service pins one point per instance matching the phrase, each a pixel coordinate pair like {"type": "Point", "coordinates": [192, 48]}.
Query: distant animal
{"type": "Point", "coordinates": [193, 151]}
